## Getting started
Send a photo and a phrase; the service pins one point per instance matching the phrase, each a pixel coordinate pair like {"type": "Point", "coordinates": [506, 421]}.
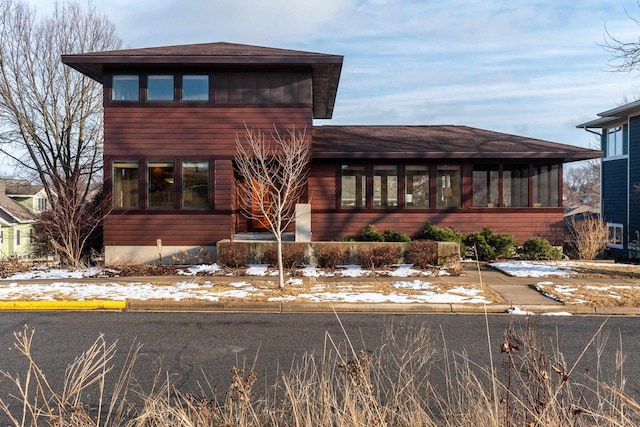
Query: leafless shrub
{"type": "Point", "coordinates": [378, 256]}
{"type": "Point", "coordinates": [588, 236]}
{"type": "Point", "coordinates": [330, 256]}
{"type": "Point", "coordinates": [292, 255]}
{"type": "Point", "coordinates": [12, 265]}
{"type": "Point", "coordinates": [233, 256]}
{"type": "Point", "coordinates": [422, 253]}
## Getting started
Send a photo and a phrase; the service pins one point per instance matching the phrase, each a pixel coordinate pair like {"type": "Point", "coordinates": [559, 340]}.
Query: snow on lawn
{"type": "Point", "coordinates": [533, 268]}
{"type": "Point", "coordinates": [22, 286]}
{"type": "Point", "coordinates": [592, 293]}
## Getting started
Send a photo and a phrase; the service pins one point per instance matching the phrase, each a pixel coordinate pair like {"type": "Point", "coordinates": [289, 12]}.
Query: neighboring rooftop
{"type": "Point", "coordinates": [325, 69]}
{"type": "Point", "coordinates": [19, 187]}
{"type": "Point", "coordinates": [436, 142]}
{"type": "Point", "coordinates": [610, 117]}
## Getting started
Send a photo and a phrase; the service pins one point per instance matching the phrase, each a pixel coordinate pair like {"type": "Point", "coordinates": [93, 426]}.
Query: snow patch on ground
{"type": "Point", "coordinates": [532, 268]}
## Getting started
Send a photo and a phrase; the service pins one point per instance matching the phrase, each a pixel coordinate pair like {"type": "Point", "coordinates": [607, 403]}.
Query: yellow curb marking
{"type": "Point", "coordinates": [63, 305]}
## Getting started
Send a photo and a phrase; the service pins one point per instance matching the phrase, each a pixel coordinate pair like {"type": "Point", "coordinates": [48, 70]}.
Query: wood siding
{"type": "Point", "coordinates": [142, 132]}
{"type": "Point", "coordinates": [190, 132]}
{"type": "Point", "coordinates": [522, 223]}
{"type": "Point", "coordinates": [175, 229]}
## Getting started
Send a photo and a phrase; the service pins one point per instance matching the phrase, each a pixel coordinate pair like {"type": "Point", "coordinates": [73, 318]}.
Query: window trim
{"type": "Point", "coordinates": [615, 226]}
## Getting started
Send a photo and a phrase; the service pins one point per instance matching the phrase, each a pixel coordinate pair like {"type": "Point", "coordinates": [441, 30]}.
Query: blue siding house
{"type": "Point", "coordinates": [619, 131]}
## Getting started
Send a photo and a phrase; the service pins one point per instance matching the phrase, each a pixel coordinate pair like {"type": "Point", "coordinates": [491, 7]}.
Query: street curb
{"type": "Point", "coordinates": [63, 305]}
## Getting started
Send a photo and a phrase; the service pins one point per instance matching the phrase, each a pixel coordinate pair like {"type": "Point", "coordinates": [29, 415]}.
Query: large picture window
{"type": "Point", "coordinates": [195, 184]}
{"type": "Point", "coordinates": [125, 180]}
{"type": "Point", "coordinates": [160, 185]}
{"type": "Point", "coordinates": [416, 186]}
{"type": "Point", "coordinates": [448, 186]}
{"type": "Point", "coordinates": [354, 186]}
{"type": "Point", "coordinates": [125, 88]}
{"type": "Point", "coordinates": [385, 186]}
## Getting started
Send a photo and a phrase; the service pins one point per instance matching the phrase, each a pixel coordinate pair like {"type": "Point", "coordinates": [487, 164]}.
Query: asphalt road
{"type": "Point", "coordinates": [195, 346]}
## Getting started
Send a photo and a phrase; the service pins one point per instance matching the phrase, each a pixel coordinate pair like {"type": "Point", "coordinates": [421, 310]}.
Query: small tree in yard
{"type": "Point", "coordinates": [275, 172]}
{"type": "Point", "coordinates": [588, 235]}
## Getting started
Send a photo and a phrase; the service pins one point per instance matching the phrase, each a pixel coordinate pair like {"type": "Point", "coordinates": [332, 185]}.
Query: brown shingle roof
{"type": "Point", "coordinates": [436, 142]}
{"type": "Point", "coordinates": [20, 187]}
{"type": "Point", "coordinates": [325, 69]}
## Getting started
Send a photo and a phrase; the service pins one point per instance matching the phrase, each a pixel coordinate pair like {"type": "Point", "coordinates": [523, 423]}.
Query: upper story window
{"type": "Point", "coordinates": [195, 88]}
{"type": "Point", "coordinates": [125, 88]}
{"type": "Point", "coordinates": [615, 145]}
{"type": "Point", "coordinates": [160, 88]}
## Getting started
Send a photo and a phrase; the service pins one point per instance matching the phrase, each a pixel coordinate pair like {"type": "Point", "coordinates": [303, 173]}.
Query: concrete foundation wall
{"type": "Point", "coordinates": [123, 255]}
{"type": "Point", "coordinates": [448, 252]}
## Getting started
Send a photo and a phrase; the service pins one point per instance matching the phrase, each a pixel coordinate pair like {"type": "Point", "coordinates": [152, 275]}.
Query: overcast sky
{"type": "Point", "coordinates": [528, 67]}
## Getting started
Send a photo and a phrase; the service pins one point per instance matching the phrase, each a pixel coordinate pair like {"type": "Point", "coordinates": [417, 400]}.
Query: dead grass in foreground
{"type": "Point", "coordinates": [341, 385]}
{"type": "Point", "coordinates": [596, 294]}
{"type": "Point", "coordinates": [606, 270]}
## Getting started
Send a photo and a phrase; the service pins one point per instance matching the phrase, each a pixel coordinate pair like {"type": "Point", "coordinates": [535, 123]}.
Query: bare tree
{"type": "Point", "coordinates": [275, 173]}
{"type": "Point", "coordinates": [50, 115]}
{"type": "Point", "coordinates": [625, 55]}
{"type": "Point", "coordinates": [582, 184]}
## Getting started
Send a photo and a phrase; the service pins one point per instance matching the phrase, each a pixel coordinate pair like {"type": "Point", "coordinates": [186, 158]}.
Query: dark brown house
{"type": "Point", "coordinates": [172, 114]}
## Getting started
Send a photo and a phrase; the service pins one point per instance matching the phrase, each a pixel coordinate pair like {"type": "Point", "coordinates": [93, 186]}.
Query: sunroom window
{"type": "Point", "coordinates": [354, 186]}
{"type": "Point", "coordinates": [416, 186]}
{"type": "Point", "coordinates": [545, 186]}
{"type": "Point", "coordinates": [385, 186]}
{"type": "Point", "coordinates": [448, 186]}
{"type": "Point", "coordinates": [515, 187]}
{"type": "Point", "coordinates": [486, 186]}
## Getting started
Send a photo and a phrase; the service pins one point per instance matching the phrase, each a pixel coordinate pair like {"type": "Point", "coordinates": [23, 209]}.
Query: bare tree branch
{"type": "Point", "coordinates": [50, 115]}
{"type": "Point", "coordinates": [275, 173]}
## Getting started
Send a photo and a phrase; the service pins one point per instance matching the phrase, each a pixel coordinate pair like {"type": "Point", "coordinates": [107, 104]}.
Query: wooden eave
{"type": "Point", "coordinates": [325, 69]}
{"type": "Point", "coordinates": [436, 142]}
